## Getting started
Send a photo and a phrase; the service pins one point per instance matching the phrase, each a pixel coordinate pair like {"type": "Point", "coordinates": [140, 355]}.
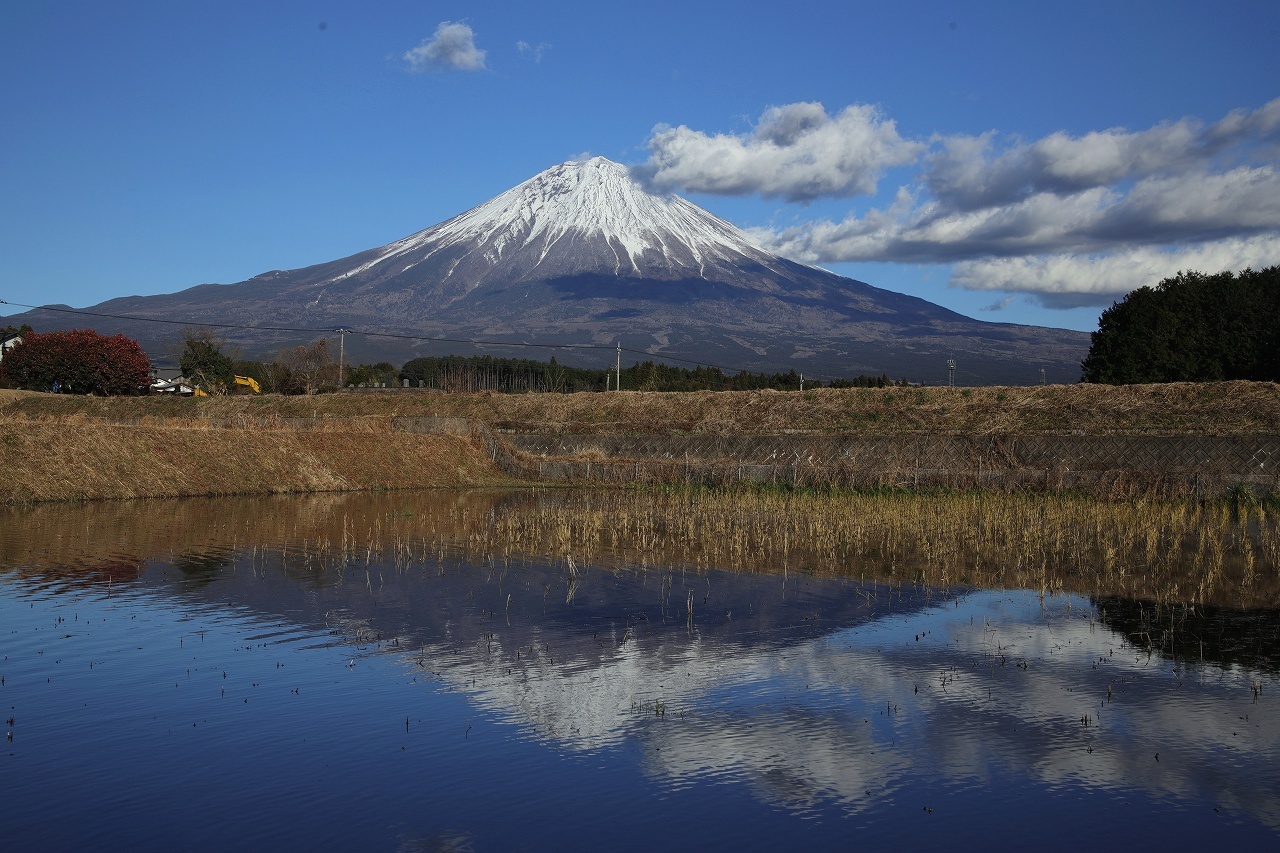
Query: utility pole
{"type": "Point", "coordinates": [1042, 376]}
{"type": "Point", "coordinates": [951, 372]}
{"type": "Point", "coordinates": [342, 345]}
{"type": "Point", "coordinates": [802, 382]}
{"type": "Point", "coordinates": [617, 385]}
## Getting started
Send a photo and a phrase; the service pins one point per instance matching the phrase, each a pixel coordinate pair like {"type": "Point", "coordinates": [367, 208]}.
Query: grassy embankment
{"type": "Point", "coordinates": [70, 447]}
{"type": "Point", "coordinates": [78, 448]}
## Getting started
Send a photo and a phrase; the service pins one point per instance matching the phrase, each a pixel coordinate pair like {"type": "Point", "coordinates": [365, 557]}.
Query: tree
{"type": "Point", "coordinates": [307, 369]}
{"type": "Point", "coordinates": [204, 363]}
{"type": "Point", "coordinates": [382, 373]}
{"type": "Point", "coordinates": [1191, 328]}
{"type": "Point", "coordinates": [555, 376]}
{"type": "Point", "coordinates": [77, 361]}
{"type": "Point", "coordinates": [24, 329]}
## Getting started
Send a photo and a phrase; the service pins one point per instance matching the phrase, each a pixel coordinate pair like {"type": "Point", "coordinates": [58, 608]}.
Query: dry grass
{"type": "Point", "coordinates": [1217, 409]}
{"type": "Point", "coordinates": [77, 459]}
{"type": "Point", "coordinates": [60, 447]}
{"type": "Point", "coordinates": [1224, 408]}
{"type": "Point", "coordinates": [1166, 551]}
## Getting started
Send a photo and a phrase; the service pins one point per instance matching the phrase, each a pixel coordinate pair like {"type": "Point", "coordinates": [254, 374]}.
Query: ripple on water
{"type": "Point", "coordinates": [303, 698]}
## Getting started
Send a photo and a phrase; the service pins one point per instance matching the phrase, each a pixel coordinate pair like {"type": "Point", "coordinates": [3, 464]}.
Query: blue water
{"type": "Point", "coordinates": [263, 694]}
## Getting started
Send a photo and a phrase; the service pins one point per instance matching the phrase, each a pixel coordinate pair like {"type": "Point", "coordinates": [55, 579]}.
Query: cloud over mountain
{"type": "Point", "coordinates": [583, 256]}
{"type": "Point", "coordinates": [1105, 212]}
{"type": "Point", "coordinates": [796, 152]}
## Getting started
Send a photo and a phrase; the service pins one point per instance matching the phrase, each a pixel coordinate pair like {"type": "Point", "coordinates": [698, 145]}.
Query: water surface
{"type": "Point", "coordinates": [303, 673]}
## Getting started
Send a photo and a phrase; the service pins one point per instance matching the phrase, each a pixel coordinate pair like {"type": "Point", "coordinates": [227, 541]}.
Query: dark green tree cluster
{"type": "Point", "coordinates": [24, 329]}
{"type": "Point", "coordinates": [204, 363]}
{"type": "Point", "coordinates": [513, 375]}
{"type": "Point", "coordinates": [651, 376]}
{"type": "Point", "coordinates": [1191, 328]}
{"type": "Point", "coordinates": [881, 381]}
{"type": "Point", "coordinates": [509, 375]}
{"type": "Point", "coordinates": [306, 369]}
{"type": "Point", "coordinates": [382, 373]}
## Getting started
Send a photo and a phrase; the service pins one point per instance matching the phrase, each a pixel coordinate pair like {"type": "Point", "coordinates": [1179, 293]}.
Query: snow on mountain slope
{"type": "Point", "coordinates": [587, 216]}
{"type": "Point", "coordinates": [584, 253]}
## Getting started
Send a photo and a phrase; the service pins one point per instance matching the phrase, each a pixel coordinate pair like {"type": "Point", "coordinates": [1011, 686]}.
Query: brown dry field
{"type": "Point", "coordinates": [1221, 408]}
{"type": "Point", "coordinates": [74, 457]}
{"type": "Point", "coordinates": [64, 447]}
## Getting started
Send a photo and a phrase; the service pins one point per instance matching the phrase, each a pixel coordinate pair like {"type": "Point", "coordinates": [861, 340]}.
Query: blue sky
{"type": "Point", "coordinates": [1015, 161]}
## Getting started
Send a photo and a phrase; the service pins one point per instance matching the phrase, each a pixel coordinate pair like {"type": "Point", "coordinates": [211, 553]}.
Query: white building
{"type": "Point", "coordinates": [7, 342]}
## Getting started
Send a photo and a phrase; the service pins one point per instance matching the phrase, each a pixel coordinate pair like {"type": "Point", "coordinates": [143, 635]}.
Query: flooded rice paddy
{"type": "Point", "coordinates": [494, 671]}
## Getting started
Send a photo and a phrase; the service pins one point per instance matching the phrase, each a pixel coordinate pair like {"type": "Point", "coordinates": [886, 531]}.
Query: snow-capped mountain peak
{"type": "Point", "coordinates": [597, 196]}
{"type": "Point", "coordinates": [584, 254]}
{"type": "Point", "coordinates": [587, 216]}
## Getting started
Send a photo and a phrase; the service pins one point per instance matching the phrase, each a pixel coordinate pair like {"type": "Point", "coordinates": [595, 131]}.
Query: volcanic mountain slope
{"type": "Point", "coordinates": [583, 254]}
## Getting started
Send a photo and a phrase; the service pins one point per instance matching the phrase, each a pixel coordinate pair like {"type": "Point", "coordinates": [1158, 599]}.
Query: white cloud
{"type": "Point", "coordinates": [967, 173]}
{"type": "Point", "coordinates": [1195, 206]}
{"type": "Point", "coordinates": [796, 152]}
{"type": "Point", "coordinates": [1073, 220]}
{"type": "Point", "coordinates": [1157, 211]}
{"type": "Point", "coordinates": [451, 47]}
{"type": "Point", "coordinates": [1069, 281]}
{"type": "Point", "coordinates": [533, 52]}
{"type": "Point", "coordinates": [930, 232]}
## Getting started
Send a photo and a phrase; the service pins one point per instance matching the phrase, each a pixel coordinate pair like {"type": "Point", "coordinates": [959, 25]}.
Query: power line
{"type": "Point", "coordinates": [393, 335]}
{"type": "Point", "coordinates": [311, 330]}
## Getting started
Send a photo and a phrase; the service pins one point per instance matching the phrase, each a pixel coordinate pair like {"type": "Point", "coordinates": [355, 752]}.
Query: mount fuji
{"type": "Point", "coordinates": [583, 253]}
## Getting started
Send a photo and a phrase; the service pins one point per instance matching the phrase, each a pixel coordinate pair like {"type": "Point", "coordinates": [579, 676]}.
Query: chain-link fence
{"type": "Point", "coordinates": [1117, 466]}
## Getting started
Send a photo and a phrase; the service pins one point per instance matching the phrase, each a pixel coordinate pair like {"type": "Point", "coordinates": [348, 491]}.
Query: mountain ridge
{"type": "Point", "coordinates": [582, 253]}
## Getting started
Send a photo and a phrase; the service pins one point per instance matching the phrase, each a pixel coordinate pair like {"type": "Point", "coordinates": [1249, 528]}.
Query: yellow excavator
{"type": "Point", "coordinates": [247, 381]}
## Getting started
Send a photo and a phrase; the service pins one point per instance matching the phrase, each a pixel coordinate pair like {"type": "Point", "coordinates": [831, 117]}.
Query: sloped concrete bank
{"type": "Point", "coordinates": [1113, 466]}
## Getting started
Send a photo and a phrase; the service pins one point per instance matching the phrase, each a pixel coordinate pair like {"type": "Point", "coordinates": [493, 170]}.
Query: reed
{"type": "Point", "coordinates": [1166, 551]}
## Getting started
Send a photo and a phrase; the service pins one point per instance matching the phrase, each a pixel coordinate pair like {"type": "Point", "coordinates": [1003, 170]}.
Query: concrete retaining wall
{"type": "Point", "coordinates": [1114, 465]}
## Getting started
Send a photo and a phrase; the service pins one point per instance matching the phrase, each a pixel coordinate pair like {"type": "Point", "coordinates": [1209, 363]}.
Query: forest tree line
{"type": "Point", "coordinates": [83, 361]}
{"type": "Point", "coordinates": [516, 375]}
{"type": "Point", "coordinates": [1191, 328]}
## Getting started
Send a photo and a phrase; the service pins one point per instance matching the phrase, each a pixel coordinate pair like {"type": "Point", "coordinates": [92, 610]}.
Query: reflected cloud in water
{"type": "Point", "coordinates": [824, 697]}
{"type": "Point", "coordinates": [813, 691]}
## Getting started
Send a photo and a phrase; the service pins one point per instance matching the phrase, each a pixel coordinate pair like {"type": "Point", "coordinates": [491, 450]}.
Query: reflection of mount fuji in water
{"type": "Point", "coordinates": [808, 689]}
{"type": "Point", "coordinates": [570, 652]}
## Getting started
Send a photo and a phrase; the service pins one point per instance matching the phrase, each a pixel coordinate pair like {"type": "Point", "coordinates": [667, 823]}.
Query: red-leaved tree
{"type": "Point", "coordinates": [80, 361]}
